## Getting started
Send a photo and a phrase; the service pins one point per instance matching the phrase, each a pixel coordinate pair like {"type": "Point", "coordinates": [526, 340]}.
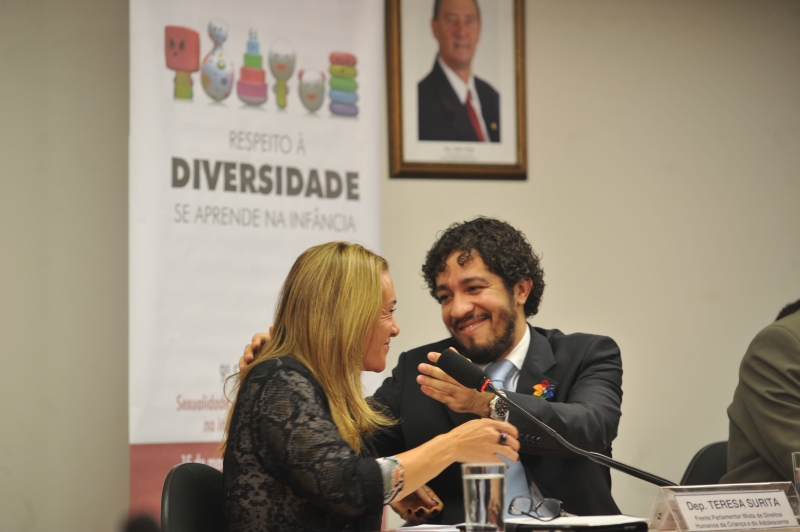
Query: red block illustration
{"type": "Point", "coordinates": [182, 52]}
{"type": "Point", "coordinates": [182, 48]}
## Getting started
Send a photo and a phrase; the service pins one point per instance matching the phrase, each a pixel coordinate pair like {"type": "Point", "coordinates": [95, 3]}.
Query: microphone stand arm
{"type": "Point", "coordinates": [594, 457]}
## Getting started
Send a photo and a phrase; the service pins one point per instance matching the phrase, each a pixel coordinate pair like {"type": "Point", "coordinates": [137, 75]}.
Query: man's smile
{"type": "Point", "coordinates": [470, 323]}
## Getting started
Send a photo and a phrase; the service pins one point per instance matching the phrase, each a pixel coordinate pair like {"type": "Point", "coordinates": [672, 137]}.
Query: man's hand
{"type": "Point", "coordinates": [437, 384]}
{"type": "Point", "coordinates": [250, 350]}
{"type": "Point", "coordinates": [418, 507]}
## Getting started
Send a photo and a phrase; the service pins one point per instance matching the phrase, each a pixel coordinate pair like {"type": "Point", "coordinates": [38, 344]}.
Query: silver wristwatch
{"type": "Point", "coordinates": [498, 409]}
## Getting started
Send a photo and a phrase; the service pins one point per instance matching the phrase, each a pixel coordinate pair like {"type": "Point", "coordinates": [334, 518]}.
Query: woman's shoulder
{"type": "Point", "coordinates": [285, 368]}
{"type": "Point", "coordinates": [285, 378]}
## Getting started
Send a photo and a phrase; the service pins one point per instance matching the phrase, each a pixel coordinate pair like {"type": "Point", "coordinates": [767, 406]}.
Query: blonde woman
{"type": "Point", "coordinates": [297, 451]}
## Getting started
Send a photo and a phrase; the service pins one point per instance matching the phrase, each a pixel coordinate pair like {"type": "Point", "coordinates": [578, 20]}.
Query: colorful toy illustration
{"type": "Point", "coordinates": [217, 74]}
{"type": "Point", "coordinates": [182, 50]}
{"type": "Point", "coordinates": [312, 88]}
{"type": "Point", "coordinates": [252, 88]}
{"type": "Point", "coordinates": [343, 84]}
{"type": "Point", "coordinates": [281, 64]}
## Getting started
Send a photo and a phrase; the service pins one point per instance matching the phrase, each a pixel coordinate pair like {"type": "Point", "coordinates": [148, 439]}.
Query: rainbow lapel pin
{"type": "Point", "coordinates": [544, 390]}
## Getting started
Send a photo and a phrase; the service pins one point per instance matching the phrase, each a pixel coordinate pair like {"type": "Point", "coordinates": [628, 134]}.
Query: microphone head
{"type": "Point", "coordinates": [462, 370]}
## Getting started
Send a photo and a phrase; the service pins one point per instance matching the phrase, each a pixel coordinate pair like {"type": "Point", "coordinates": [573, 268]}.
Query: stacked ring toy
{"type": "Point", "coordinates": [252, 88]}
{"type": "Point", "coordinates": [343, 84]}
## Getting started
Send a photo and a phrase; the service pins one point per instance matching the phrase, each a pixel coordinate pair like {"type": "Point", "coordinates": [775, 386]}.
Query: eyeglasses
{"type": "Point", "coordinates": [544, 510]}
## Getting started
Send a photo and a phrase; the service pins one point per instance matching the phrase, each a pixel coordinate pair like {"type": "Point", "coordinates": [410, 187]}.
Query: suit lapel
{"type": "Point", "coordinates": [538, 362]}
{"type": "Point", "coordinates": [491, 115]}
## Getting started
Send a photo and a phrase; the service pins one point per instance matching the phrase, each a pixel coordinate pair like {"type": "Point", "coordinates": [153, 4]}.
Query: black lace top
{"type": "Point", "coordinates": [286, 467]}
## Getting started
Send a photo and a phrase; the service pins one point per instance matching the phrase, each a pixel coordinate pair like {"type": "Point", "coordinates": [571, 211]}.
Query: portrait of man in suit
{"type": "Point", "coordinates": [453, 103]}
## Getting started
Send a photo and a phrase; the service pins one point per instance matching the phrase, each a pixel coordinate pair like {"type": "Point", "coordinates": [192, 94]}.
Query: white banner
{"type": "Point", "coordinates": [255, 132]}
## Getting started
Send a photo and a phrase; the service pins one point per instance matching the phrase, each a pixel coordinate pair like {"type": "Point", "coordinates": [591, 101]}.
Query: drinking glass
{"type": "Point", "coordinates": [484, 496]}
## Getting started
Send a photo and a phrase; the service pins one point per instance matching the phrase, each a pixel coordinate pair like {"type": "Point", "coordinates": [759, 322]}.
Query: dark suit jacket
{"type": "Point", "coordinates": [765, 413]}
{"type": "Point", "coordinates": [441, 115]}
{"type": "Point", "coordinates": [587, 371]}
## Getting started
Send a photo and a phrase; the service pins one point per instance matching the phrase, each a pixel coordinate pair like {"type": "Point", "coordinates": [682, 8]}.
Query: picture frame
{"type": "Point", "coordinates": [415, 149]}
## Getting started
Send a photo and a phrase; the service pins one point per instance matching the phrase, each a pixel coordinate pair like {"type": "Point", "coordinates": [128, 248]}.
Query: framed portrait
{"type": "Point", "coordinates": [456, 88]}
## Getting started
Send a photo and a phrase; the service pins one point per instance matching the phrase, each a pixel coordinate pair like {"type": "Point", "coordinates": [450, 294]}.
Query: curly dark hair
{"type": "Point", "coordinates": [505, 251]}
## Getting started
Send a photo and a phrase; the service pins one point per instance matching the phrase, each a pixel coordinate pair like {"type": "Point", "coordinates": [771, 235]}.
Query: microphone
{"type": "Point", "coordinates": [463, 371]}
{"type": "Point", "coordinates": [471, 376]}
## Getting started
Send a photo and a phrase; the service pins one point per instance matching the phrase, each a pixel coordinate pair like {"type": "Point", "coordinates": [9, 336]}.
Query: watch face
{"type": "Point", "coordinates": [499, 408]}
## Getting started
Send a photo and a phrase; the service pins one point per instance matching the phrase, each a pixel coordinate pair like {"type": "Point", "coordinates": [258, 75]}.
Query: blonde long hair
{"type": "Point", "coordinates": [326, 310]}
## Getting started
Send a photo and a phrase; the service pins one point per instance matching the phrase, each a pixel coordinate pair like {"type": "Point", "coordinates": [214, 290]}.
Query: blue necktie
{"type": "Point", "coordinates": [516, 482]}
{"type": "Point", "coordinates": [499, 372]}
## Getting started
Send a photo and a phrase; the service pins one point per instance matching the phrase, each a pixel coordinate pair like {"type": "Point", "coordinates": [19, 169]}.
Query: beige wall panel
{"type": "Point", "coordinates": [63, 265]}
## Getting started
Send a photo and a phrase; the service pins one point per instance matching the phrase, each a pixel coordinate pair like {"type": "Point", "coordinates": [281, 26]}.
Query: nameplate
{"type": "Point", "coordinates": [736, 510]}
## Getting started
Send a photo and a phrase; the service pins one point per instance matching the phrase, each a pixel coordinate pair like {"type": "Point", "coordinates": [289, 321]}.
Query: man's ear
{"type": "Point", "coordinates": [522, 290]}
{"type": "Point", "coordinates": [435, 29]}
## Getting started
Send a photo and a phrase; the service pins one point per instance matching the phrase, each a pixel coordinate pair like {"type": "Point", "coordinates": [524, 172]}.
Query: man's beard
{"type": "Point", "coordinates": [495, 348]}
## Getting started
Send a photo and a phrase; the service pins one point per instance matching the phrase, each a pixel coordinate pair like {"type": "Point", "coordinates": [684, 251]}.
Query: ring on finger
{"type": "Point", "coordinates": [503, 437]}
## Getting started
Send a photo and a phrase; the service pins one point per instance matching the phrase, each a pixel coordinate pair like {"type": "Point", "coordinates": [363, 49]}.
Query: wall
{"type": "Point", "coordinates": [663, 194]}
{"type": "Point", "coordinates": [63, 265]}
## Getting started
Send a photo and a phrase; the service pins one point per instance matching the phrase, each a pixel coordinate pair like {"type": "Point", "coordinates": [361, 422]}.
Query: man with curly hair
{"type": "Point", "coordinates": [488, 281]}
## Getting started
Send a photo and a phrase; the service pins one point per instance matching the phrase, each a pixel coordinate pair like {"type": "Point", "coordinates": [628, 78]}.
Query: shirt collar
{"type": "Point", "coordinates": [457, 83]}
{"type": "Point", "coordinates": [520, 351]}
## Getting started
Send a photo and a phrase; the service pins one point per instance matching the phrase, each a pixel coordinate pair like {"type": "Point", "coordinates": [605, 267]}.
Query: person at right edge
{"type": "Point", "coordinates": [765, 412]}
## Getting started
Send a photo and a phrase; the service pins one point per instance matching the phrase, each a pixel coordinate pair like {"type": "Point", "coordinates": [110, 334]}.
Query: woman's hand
{"type": "Point", "coordinates": [259, 340]}
{"type": "Point", "coordinates": [480, 440]}
{"type": "Point", "coordinates": [418, 507]}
